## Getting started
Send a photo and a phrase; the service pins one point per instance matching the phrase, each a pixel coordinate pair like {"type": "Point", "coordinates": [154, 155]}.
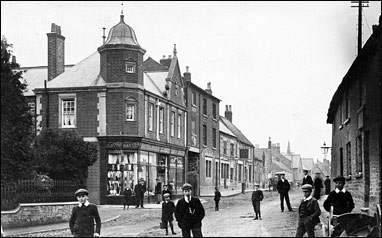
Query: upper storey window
{"type": "Point", "coordinates": [130, 109]}
{"type": "Point", "coordinates": [129, 67]}
{"type": "Point", "coordinates": [68, 110]}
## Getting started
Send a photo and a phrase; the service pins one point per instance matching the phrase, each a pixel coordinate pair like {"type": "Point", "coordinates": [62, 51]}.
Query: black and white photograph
{"type": "Point", "coordinates": [191, 118]}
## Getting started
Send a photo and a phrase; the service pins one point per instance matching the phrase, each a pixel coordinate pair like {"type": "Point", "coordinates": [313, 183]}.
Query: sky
{"type": "Point", "coordinates": [277, 64]}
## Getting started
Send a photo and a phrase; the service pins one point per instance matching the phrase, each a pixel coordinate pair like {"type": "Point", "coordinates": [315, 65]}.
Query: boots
{"type": "Point", "coordinates": [166, 231]}
{"type": "Point", "coordinates": [172, 229]}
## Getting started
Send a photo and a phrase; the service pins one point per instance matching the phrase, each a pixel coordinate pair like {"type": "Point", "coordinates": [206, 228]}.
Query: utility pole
{"type": "Point", "coordinates": [360, 5]}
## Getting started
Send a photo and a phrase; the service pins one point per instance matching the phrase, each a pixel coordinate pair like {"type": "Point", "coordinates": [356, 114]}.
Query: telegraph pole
{"type": "Point", "coordinates": [360, 6]}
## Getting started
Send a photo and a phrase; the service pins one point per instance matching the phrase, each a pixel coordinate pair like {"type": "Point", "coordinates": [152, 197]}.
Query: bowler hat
{"type": "Point", "coordinates": [81, 191]}
{"type": "Point", "coordinates": [339, 178]}
{"type": "Point", "coordinates": [186, 186]}
{"type": "Point", "coordinates": [306, 187]}
{"type": "Point", "coordinates": [305, 170]}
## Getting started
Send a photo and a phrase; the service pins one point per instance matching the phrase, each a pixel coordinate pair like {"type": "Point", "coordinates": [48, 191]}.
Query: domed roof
{"type": "Point", "coordinates": [122, 34]}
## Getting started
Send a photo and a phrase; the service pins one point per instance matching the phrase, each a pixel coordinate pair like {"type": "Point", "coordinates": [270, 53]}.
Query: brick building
{"type": "Point", "coordinates": [134, 110]}
{"type": "Point", "coordinates": [355, 115]}
{"type": "Point", "coordinates": [202, 136]}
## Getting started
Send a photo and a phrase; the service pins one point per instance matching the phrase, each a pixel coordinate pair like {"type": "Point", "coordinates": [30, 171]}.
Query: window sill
{"type": "Point", "coordinates": [347, 121]}
{"type": "Point", "coordinates": [348, 177]}
{"type": "Point", "coordinates": [204, 115]}
{"type": "Point", "coordinates": [358, 175]}
{"type": "Point", "coordinates": [340, 127]}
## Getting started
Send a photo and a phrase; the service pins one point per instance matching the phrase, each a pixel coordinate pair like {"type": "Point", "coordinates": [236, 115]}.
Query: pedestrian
{"type": "Point", "coordinates": [341, 200]}
{"type": "Point", "coordinates": [158, 191]}
{"type": "Point", "coordinates": [317, 186]}
{"type": "Point", "coordinates": [308, 213]}
{"type": "Point", "coordinates": [81, 221]}
{"type": "Point", "coordinates": [283, 187]}
{"type": "Point", "coordinates": [307, 179]}
{"type": "Point", "coordinates": [166, 190]}
{"type": "Point", "coordinates": [126, 197]}
{"type": "Point", "coordinates": [257, 197]}
{"type": "Point", "coordinates": [168, 209]}
{"type": "Point", "coordinates": [327, 185]}
{"type": "Point", "coordinates": [217, 198]}
{"type": "Point", "coordinates": [189, 213]}
{"type": "Point", "coordinates": [139, 191]}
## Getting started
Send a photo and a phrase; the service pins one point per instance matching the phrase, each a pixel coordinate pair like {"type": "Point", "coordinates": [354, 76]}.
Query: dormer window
{"type": "Point", "coordinates": [130, 67]}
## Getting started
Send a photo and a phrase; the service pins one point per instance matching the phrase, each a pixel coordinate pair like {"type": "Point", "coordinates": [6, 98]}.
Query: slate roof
{"type": "Point", "coordinates": [307, 163]}
{"type": "Point", "coordinates": [224, 129]}
{"type": "Point", "coordinates": [151, 65]}
{"type": "Point", "coordinates": [240, 136]}
{"type": "Point", "coordinates": [155, 82]}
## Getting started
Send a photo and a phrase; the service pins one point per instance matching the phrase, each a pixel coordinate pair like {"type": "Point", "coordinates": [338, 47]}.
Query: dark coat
{"type": "Point", "coordinates": [283, 187]}
{"type": "Point", "coordinates": [342, 202]}
{"type": "Point", "coordinates": [327, 186]}
{"type": "Point", "coordinates": [158, 188]}
{"type": "Point", "coordinates": [309, 211]}
{"type": "Point", "coordinates": [82, 220]}
{"type": "Point", "coordinates": [307, 180]}
{"type": "Point", "coordinates": [168, 209]}
{"type": "Point", "coordinates": [189, 215]}
{"type": "Point", "coordinates": [257, 196]}
{"type": "Point", "coordinates": [217, 196]}
{"type": "Point", "coordinates": [139, 190]}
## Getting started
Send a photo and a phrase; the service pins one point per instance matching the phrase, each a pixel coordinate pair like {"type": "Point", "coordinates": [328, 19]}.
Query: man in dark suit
{"type": "Point", "coordinates": [139, 191]}
{"type": "Point", "coordinates": [283, 187]}
{"type": "Point", "coordinates": [307, 179]}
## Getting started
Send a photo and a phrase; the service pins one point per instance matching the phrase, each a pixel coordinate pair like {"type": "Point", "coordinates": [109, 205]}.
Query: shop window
{"type": "Point", "coordinates": [120, 172]}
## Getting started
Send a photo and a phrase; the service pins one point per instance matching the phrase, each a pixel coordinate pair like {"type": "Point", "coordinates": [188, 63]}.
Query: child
{"type": "Point", "coordinates": [217, 199]}
{"type": "Point", "coordinates": [308, 213]}
{"type": "Point", "coordinates": [126, 194]}
{"type": "Point", "coordinates": [166, 190]}
{"type": "Point", "coordinates": [168, 208]}
{"type": "Point", "coordinates": [257, 196]}
{"type": "Point", "coordinates": [82, 219]}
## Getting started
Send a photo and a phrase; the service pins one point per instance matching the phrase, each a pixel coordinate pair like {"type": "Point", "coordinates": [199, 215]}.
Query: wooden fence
{"type": "Point", "coordinates": [32, 191]}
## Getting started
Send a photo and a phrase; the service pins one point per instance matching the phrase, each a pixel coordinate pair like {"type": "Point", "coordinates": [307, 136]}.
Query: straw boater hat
{"type": "Point", "coordinates": [307, 187]}
{"type": "Point", "coordinates": [166, 195]}
{"type": "Point", "coordinates": [186, 186]}
{"type": "Point", "coordinates": [81, 191]}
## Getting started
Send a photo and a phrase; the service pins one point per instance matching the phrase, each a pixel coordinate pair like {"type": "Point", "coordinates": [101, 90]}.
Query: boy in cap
{"type": "Point", "coordinates": [307, 179]}
{"type": "Point", "coordinates": [81, 222]}
{"type": "Point", "coordinates": [139, 191]}
{"type": "Point", "coordinates": [168, 208]}
{"type": "Point", "coordinates": [341, 200]}
{"type": "Point", "coordinates": [217, 199]}
{"type": "Point", "coordinates": [257, 196]}
{"type": "Point", "coordinates": [189, 213]}
{"type": "Point", "coordinates": [308, 213]}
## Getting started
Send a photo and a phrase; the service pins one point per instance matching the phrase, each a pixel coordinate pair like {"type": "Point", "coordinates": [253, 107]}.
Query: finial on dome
{"type": "Point", "coordinates": [122, 9]}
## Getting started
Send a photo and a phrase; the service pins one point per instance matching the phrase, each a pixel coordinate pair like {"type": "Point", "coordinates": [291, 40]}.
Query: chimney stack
{"type": "Point", "coordinates": [187, 77]}
{"type": "Point", "coordinates": [208, 90]}
{"type": "Point", "coordinates": [269, 143]}
{"type": "Point", "coordinates": [228, 113]}
{"type": "Point", "coordinates": [56, 52]}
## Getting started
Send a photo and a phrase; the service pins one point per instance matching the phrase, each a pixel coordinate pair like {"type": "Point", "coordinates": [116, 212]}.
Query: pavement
{"type": "Point", "coordinates": [105, 214]}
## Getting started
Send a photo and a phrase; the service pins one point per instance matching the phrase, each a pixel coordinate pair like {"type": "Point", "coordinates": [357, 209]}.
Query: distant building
{"type": "Point", "coordinates": [297, 167]}
{"type": "Point", "coordinates": [355, 115]}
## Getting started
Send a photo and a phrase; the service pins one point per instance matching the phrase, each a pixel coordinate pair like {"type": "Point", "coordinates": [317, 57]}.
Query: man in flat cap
{"type": "Point", "coordinates": [81, 222]}
{"type": "Point", "coordinates": [308, 213]}
{"type": "Point", "coordinates": [189, 213]}
{"type": "Point", "coordinates": [307, 179]}
{"type": "Point", "coordinates": [139, 191]}
{"type": "Point", "coordinates": [283, 187]}
{"type": "Point", "coordinates": [341, 200]}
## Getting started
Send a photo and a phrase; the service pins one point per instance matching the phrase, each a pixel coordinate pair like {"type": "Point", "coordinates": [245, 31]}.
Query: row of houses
{"type": "Point", "coordinates": [148, 120]}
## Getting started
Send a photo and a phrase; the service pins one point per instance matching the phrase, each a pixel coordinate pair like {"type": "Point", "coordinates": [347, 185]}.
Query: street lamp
{"type": "Point", "coordinates": [325, 149]}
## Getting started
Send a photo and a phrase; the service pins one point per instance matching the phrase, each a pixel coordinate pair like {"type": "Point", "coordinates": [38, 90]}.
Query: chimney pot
{"type": "Point", "coordinates": [169, 56]}
{"type": "Point", "coordinates": [13, 59]}
{"type": "Point", "coordinates": [163, 57]}
{"type": "Point", "coordinates": [53, 28]}
{"type": "Point", "coordinates": [187, 68]}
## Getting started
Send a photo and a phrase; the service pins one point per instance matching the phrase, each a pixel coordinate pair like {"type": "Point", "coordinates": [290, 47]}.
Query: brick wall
{"type": "Point", "coordinates": [31, 214]}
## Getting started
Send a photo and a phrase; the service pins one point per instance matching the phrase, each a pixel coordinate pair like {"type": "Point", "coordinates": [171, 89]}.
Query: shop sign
{"type": "Point", "coordinates": [147, 147]}
{"type": "Point", "coordinates": [123, 145]}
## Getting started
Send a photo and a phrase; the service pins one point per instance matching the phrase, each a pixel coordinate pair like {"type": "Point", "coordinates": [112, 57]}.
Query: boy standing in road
{"type": "Point", "coordinates": [257, 196]}
{"type": "Point", "coordinates": [217, 199]}
{"type": "Point", "coordinates": [81, 222]}
{"type": "Point", "coordinates": [308, 213]}
{"type": "Point", "coordinates": [189, 213]}
{"type": "Point", "coordinates": [168, 208]}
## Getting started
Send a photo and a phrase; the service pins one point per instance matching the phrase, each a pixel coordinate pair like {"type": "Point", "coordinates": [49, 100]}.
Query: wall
{"type": "Point", "coordinates": [32, 214]}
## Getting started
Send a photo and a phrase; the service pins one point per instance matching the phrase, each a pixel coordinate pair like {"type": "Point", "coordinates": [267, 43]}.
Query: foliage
{"type": "Point", "coordinates": [16, 120]}
{"type": "Point", "coordinates": [63, 155]}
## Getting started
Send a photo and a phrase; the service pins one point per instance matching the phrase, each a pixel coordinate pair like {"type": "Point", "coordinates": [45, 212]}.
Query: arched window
{"type": "Point", "coordinates": [131, 104]}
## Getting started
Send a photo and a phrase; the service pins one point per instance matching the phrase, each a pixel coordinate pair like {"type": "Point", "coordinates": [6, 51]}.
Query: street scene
{"type": "Point", "coordinates": [191, 118]}
{"type": "Point", "coordinates": [234, 218]}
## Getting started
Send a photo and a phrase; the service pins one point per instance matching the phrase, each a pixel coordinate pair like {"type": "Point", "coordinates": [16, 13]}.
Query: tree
{"type": "Point", "coordinates": [16, 120]}
{"type": "Point", "coordinates": [64, 155]}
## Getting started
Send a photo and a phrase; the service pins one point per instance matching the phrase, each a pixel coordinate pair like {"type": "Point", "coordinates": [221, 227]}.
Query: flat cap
{"type": "Point", "coordinates": [339, 178]}
{"type": "Point", "coordinates": [81, 191]}
{"type": "Point", "coordinates": [306, 187]}
{"type": "Point", "coordinates": [166, 195]}
{"type": "Point", "coordinates": [141, 179]}
{"type": "Point", "coordinates": [186, 186]}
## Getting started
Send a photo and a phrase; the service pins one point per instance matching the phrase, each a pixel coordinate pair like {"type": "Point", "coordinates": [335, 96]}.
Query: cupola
{"type": "Point", "coordinates": [121, 34]}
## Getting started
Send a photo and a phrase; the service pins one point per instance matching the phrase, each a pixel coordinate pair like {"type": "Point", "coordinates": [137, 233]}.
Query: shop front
{"type": "Point", "coordinates": [128, 161]}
